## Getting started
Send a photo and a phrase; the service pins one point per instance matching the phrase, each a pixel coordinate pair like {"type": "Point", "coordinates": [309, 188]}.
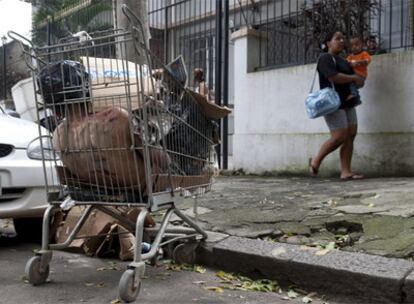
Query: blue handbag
{"type": "Point", "coordinates": [322, 102]}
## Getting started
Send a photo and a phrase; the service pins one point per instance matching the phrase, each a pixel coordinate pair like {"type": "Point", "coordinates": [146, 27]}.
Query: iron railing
{"type": "Point", "coordinates": [292, 30]}
{"type": "Point", "coordinates": [188, 28]}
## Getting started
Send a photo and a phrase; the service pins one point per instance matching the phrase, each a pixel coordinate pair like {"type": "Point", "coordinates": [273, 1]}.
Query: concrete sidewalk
{"type": "Point", "coordinates": [352, 238]}
{"type": "Point", "coordinates": [374, 216]}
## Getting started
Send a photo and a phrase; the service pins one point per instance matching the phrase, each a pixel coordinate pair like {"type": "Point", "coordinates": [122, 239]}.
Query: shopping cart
{"type": "Point", "coordinates": [123, 135]}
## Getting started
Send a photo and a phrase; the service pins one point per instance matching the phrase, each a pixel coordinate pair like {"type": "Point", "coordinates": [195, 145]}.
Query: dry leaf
{"type": "Point", "coordinates": [322, 252]}
{"type": "Point", "coordinates": [225, 276]}
{"type": "Point", "coordinates": [199, 282]}
{"type": "Point", "coordinates": [306, 300]}
{"type": "Point", "coordinates": [214, 288]}
{"type": "Point", "coordinates": [116, 301]}
{"type": "Point", "coordinates": [371, 205]}
{"type": "Point", "coordinates": [199, 269]}
{"type": "Point", "coordinates": [89, 284]}
{"type": "Point", "coordinates": [100, 269]}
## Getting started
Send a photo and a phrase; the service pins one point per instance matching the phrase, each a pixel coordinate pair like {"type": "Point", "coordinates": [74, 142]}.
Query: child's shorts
{"type": "Point", "coordinates": [355, 92]}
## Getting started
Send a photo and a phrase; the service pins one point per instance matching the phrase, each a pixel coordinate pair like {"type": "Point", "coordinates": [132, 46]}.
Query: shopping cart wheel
{"type": "Point", "coordinates": [185, 253]}
{"type": "Point", "coordinates": [129, 286]}
{"type": "Point", "coordinates": [34, 273]}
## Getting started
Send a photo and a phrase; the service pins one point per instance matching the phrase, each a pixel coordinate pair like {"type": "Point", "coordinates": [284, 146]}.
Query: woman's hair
{"type": "Point", "coordinates": [328, 37]}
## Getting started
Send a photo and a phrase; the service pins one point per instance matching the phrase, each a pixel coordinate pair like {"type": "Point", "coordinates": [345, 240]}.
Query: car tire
{"type": "Point", "coordinates": [29, 229]}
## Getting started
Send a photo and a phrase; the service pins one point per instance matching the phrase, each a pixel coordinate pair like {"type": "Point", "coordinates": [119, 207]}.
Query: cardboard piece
{"type": "Point", "coordinates": [114, 82]}
{"type": "Point", "coordinates": [126, 244]}
{"type": "Point", "coordinates": [99, 223]}
{"type": "Point", "coordinates": [211, 110]}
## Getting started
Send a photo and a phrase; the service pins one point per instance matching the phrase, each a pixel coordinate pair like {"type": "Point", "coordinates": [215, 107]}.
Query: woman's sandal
{"type": "Point", "coordinates": [312, 170]}
{"type": "Point", "coordinates": [352, 177]}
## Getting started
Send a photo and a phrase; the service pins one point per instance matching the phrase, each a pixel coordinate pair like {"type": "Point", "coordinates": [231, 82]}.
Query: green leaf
{"type": "Point", "coordinates": [292, 294]}
{"type": "Point", "coordinates": [331, 246]}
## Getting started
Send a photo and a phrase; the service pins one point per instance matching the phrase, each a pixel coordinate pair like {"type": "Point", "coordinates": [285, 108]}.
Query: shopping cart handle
{"type": "Point", "coordinates": [19, 38]}
{"type": "Point", "coordinates": [132, 18]}
{"type": "Point", "coordinates": [25, 48]}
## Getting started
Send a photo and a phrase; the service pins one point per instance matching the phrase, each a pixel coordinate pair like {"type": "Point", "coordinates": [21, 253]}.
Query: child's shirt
{"type": "Point", "coordinates": [361, 70]}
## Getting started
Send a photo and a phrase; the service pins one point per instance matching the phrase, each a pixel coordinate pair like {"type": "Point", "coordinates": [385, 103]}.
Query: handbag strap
{"type": "Point", "coordinates": [316, 72]}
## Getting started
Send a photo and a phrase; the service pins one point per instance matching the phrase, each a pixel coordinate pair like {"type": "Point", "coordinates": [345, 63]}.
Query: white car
{"type": "Point", "coordinates": [22, 182]}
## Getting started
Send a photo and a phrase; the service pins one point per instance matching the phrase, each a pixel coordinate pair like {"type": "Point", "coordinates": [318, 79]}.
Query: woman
{"type": "Point", "coordinates": [342, 124]}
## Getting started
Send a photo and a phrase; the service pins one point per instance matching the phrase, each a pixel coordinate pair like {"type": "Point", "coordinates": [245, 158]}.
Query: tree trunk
{"type": "Point", "coordinates": [139, 8]}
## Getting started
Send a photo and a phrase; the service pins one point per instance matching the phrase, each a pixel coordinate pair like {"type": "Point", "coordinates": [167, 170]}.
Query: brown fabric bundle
{"type": "Point", "coordinates": [96, 149]}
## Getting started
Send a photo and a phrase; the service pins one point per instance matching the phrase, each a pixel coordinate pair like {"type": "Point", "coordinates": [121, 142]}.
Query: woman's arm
{"type": "Point", "coordinates": [344, 78]}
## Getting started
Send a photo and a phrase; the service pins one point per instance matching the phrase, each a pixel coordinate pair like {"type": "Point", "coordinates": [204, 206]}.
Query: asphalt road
{"type": "Point", "coordinates": [76, 278]}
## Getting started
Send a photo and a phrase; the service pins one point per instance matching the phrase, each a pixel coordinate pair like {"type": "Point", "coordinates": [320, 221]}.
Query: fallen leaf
{"type": "Point", "coordinates": [199, 282]}
{"type": "Point", "coordinates": [292, 294]}
{"type": "Point", "coordinates": [225, 276]}
{"type": "Point", "coordinates": [100, 269]}
{"type": "Point", "coordinates": [89, 284]}
{"type": "Point", "coordinates": [116, 301]}
{"type": "Point", "coordinates": [330, 246]}
{"type": "Point", "coordinates": [286, 298]}
{"type": "Point", "coordinates": [174, 267]}
{"type": "Point", "coordinates": [306, 299]}
{"type": "Point", "coordinates": [199, 269]}
{"type": "Point", "coordinates": [269, 239]}
{"type": "Point", "coordinates": [113, 266]}
{"type": "Point", "coordinates": [332, 203]}
{"type": "Point", "coordinates": [214, 288]}
{"type": "Point", "coordinates": [322, 252]}
{"type": "Point", "coordinates": [166, 261]}
{"type": "Point", "coordinates": [101, 284]}
{"type": "Point", "coordinates": [371, 205]}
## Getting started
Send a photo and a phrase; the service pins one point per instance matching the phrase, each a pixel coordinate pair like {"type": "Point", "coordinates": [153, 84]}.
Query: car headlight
{"type": "Point", "coordinates": [34, 149]}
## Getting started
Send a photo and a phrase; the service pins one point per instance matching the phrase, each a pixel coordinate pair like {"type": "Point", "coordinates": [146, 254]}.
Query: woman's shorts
{"type": "Point", "coordinates": [341, 119]}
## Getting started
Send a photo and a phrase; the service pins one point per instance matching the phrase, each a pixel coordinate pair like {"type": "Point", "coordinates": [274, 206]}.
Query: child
{"type": "Point", "coordinates": [200, 82]}
{"type": "Point", "coordinates": [359, 60]}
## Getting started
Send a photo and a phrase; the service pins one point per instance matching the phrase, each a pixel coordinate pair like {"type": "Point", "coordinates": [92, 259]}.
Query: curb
{"type": "Point", "coordinates": [360, 276]}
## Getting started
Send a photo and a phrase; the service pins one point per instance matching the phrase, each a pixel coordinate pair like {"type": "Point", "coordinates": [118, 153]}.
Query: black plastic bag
{"type": "Point", "coordinates": [63, 80]}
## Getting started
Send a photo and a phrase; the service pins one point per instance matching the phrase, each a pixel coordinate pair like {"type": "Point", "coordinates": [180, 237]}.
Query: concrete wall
{"type": "Point", "coordinates": [273, 133]}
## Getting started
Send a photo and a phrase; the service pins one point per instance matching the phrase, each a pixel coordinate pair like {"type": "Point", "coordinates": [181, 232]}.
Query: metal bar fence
{"type": "Point", "coordinates": [293, 29]}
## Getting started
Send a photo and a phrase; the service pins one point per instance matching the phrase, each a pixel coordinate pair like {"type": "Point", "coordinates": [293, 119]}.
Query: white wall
{"type": "Point", "coordinates": [273, 133]}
